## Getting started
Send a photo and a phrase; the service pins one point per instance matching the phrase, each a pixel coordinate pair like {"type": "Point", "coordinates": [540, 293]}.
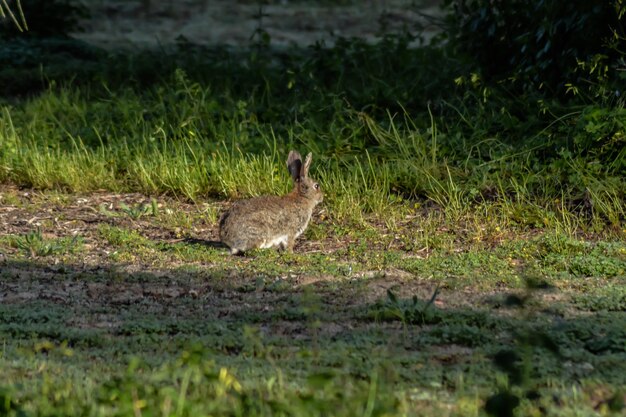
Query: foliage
{"type": "Point", "coordinates": [415, 312]}
{"type": "Point", "coordinates": [537, 44]}
{"type": "Point", "coordinates": [601, 135]}
{"type": "Point", "coordinates": [517, 362]}
{"type": "Point", "coordinates": [215, 122]}
{"type": "Point", "coordinates": [35, 244]}
{"type": "Point", "coordinates": [606, 298]}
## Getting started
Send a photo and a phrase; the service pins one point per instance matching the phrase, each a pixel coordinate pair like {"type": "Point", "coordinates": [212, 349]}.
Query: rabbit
{"type": "Point", "coordinates": [273, 221]}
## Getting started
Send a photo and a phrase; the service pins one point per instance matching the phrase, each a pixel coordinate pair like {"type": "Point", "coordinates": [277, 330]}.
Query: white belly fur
{"type": "Point", "coordinates": [278, 240]}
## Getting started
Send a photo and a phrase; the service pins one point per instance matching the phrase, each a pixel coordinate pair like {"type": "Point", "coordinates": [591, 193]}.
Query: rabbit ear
{"type": "Point", "coordinates": [294, 164]}
{"type": "Point", "coordinates": [307, 164]}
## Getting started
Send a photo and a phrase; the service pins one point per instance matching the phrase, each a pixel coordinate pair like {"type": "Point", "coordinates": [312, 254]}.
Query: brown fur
{"type": "Point", "coordinates": [257, 222]}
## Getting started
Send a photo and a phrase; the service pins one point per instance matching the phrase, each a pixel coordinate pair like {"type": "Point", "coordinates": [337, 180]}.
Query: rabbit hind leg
{"type": "Point", "coordinates": [240, 246]}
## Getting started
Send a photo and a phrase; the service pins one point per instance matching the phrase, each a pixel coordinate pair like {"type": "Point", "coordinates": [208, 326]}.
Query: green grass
{"type": "Point", "coordinates": [196, 139]}
{"type": "Point", "coordinates": [133, 341]}
{"type": "Point", "coordinates": [340, 331]}
{"type": "Point", "coordinates": [470, 243]}
{"type": "Point", "coordinates": [192, 166]}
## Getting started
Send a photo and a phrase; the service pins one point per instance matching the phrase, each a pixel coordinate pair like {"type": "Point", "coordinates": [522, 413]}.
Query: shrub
{"type": "Point", "coordinates": [536, 44]}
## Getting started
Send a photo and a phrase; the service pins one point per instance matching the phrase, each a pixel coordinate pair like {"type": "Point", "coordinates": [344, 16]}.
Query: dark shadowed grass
{"type": "Point", "coordinates": [110, 342]}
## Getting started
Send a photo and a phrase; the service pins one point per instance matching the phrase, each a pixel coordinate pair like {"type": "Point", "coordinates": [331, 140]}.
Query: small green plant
{"type": "Point", "coordinates": [137, 211]}
{"type": "Point", "coordinates": [413, 312]}
{"type": "Point", "coordinates": [610, 297]}
{"type": "Point", "coordinates": [122, 237]}
{"type": "Point", "coordinates": [35, 244]}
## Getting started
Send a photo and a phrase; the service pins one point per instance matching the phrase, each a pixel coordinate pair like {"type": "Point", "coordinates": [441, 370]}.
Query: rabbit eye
{"type": "Point", "coordinates": [316, 186]}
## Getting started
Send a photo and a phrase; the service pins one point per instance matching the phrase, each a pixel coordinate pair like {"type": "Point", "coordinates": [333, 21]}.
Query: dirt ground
{"type": "Point", "coordinates": [94, 281]}
{"type": "Point", "coordinates": [96, 272]}
{"type": "Point", "coordinates": [141, 23]}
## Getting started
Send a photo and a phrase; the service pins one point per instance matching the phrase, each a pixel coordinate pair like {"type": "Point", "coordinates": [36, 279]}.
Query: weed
{"type": "Point", "coordinates": [611, 297]}
{"type": "Point", "coordinates": [120, 237]}
{"type": "Point", "coordinates": [140, 210]}
{"type": "Point", "coordinates": [10, 199]}
{"type": "Point", "coordinates": [415, 312]}
{"type": "Point", "coordinates": [35, 244]}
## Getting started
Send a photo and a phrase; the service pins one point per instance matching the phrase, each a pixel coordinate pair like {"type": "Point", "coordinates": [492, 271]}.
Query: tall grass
{"type": "Point", "coordinates": [225, 133]}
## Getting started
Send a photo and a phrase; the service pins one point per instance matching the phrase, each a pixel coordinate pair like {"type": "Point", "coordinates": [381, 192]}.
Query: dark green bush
{"type": "Point", "coordinates": [536, 44]}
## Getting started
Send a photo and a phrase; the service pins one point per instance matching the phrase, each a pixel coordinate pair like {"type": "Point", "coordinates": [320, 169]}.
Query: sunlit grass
{"type": "Point", "coordinates": [66, 139]}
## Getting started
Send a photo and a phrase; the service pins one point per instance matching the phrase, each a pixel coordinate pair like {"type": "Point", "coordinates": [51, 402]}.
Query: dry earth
{"type": "Point", "coordinates": [95, 273]}
{"type": "Point", "coordinates": [98, 288]}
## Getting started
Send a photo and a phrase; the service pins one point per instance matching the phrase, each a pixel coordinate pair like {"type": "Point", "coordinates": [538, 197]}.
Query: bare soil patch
{"type": "Point", "coordinates": [94, 280]}
{"type": "Point", "coordinates": [95, 277]}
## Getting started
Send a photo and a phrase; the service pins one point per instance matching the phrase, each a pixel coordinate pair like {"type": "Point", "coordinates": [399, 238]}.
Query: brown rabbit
{"type": "Point", "coordinates": [273, 221]}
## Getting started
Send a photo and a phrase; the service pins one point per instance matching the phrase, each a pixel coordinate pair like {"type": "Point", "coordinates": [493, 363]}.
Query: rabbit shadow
{"type": "Point", "coordinates": [208, 243]}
